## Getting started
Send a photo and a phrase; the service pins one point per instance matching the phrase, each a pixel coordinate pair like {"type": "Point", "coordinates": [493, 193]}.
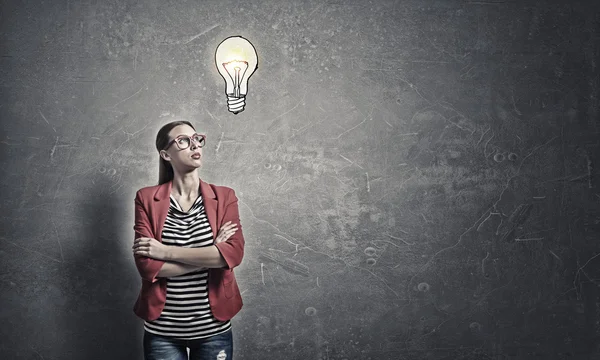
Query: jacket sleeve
{"type": "Point", "coordinates": [232, 249]}
{"type": "Point", "coordinates": [147, 267]}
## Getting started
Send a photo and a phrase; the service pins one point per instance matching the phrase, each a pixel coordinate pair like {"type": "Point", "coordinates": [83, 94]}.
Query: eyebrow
{"type": "Point", "coordinates": [188, 135]}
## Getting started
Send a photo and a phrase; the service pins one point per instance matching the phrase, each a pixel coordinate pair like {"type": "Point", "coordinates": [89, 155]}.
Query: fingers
{"type": "Point", "coordinates": [142, 250]}
{"type": "Point", "coordinates": [142, 246]}
{"type": "Point", "coordinates": [142, 241]}
{"type": "Point", "coordinates": [145, 252]}
{"type": "Point", "coordinates": [228, 228]}
{"type": "Point", "coordinates": [226, 231]}
{"type": "Point", "coordinates": [137, 243]}
{"type": "Point", "coordinates": [228, 225]}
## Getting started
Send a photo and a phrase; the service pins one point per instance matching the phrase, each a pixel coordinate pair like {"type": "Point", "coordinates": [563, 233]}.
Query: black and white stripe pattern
{"type": "Point", "coordinates": [187, 313]}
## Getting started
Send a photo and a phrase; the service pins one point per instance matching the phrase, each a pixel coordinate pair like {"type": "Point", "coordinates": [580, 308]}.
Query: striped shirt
{"type": "Point", "coordinates": [187, 313]}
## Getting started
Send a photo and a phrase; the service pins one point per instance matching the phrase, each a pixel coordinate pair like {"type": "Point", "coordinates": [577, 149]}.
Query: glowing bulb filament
{"type": "Point", "coordinates": [236, 70]}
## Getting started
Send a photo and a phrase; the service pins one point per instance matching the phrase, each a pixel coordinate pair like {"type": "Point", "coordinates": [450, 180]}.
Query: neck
{"type": "Point", "coordinates": [186, 185]}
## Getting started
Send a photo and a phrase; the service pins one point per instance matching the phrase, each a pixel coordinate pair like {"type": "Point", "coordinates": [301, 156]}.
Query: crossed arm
{"type": "Point", "coordinates": [155, 260]}
{"type": "Point", "coordinates": [178, 260]}
{"type": "Point", "coordinates": [172, 268]}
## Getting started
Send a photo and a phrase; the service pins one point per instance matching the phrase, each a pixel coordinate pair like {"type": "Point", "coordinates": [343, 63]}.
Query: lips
{"type": "Point", "coordinates": [196, 155]}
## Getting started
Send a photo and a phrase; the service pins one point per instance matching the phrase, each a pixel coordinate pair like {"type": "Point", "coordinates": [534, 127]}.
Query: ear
{"type": "Point", "coordinates": [165, 155]}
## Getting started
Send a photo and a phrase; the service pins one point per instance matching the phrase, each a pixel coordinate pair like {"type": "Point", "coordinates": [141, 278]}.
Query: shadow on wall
{"type": "Point", "coordinates": [103, 281]}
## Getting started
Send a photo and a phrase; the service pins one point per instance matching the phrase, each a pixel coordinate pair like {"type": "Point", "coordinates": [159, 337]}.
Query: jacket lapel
{"type": "Point", "coordinates": [162, 198]}
{"type": "Point", "coordinates": [161, 207]}
{"type": "Point", "coordinates": [210, 205]}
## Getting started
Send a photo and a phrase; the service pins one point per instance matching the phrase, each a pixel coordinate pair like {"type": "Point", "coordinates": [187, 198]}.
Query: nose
{"type": "Point", "coordinates": [194, 144]}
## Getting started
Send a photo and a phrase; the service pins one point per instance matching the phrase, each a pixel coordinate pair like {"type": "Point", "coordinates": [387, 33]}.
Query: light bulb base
{"type": "Point", "coordinates": [235, 104]}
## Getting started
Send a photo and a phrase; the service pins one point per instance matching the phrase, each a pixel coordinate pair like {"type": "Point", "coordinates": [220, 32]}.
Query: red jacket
{"type": "Point", "coordinates": [151, 208]}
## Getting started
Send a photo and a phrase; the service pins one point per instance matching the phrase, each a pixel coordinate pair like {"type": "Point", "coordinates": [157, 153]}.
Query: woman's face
{"type": "Point", "coordinates": [182, 159]}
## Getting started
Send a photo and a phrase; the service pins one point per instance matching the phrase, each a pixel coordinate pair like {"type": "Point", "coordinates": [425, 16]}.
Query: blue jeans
{"type": "Point", "coordinates": [216, 347]}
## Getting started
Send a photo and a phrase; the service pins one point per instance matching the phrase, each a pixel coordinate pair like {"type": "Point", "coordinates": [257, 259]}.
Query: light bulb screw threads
{"type": "Point", "coordinates": [235, 104]}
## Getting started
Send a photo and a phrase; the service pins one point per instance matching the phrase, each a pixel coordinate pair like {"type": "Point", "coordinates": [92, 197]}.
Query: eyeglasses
{"type": "Point", "coordinates": [184, 141]}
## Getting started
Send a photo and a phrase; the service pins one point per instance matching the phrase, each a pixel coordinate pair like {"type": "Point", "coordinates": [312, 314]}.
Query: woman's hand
{"type": "Point", "coordinates": [150, 247]}
{"type": "Point", "coordinates": [153, 248]}
{"type": "Point", "coordinates": [225, 232]}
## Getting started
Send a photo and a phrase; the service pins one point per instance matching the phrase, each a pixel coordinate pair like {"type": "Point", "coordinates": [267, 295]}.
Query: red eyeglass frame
{"type": "Point", "coordinates": [185, 136]}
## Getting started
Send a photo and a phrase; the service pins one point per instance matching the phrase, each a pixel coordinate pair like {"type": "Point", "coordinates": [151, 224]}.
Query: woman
{"type": "Point", "coordinates": [189, 292]}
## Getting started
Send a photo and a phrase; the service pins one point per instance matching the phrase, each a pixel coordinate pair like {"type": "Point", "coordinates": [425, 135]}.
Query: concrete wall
{"type": "Point", "coordinates": [417, 179]}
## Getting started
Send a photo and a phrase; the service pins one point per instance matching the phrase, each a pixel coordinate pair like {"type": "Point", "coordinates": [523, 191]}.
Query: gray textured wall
{"type": "Point", "coordinates": [417, 179]}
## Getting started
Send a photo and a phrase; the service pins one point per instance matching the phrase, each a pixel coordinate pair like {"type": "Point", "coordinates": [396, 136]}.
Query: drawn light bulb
{"type": "Point", "coordinates": [236, 61]}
